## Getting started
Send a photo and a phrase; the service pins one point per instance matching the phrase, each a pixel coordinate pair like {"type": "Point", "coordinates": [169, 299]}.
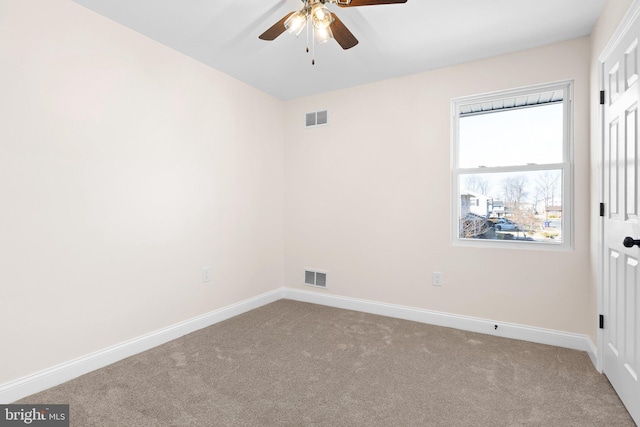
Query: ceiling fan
{"type": "Point", "coordinates": [325, 25]}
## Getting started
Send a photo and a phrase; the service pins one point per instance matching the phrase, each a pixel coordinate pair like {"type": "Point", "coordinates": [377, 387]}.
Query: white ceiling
{"type": "Point", "coordinates": [395, 40]}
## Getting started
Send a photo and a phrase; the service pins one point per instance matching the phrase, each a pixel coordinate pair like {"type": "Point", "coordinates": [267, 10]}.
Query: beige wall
{"type": "Point", "coordinates": [125, 168]}
{"type": "Point", "coordinates": [368, 198]}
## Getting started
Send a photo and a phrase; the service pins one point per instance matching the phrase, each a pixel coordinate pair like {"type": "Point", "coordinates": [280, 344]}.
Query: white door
{"type": "Point", "coordinates": [621, 296]}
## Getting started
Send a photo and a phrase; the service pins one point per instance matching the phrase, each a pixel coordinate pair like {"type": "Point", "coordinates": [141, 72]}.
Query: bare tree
{"type": "Point", "coordinates": [477, 184]}
{"type": "Point", "coordinates": [548, 185]}
{"type": "Point", "coordinates": [514, 187]}
{"type": "Point", "coordinates": [537, 199]}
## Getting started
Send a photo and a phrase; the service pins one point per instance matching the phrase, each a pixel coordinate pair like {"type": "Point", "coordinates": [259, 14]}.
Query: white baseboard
{"type": "Point", "coordinates": [472, 324]}
{"type": "Point", "coordinates": [39, 381]}
{"type": "Point", "coordinates": [26, 386]}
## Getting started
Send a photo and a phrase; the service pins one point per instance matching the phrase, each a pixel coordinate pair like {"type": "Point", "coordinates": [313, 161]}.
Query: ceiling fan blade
{"type": "Point", "coordinates": [342, 34]}
{"type": "Point", "coordinates": [275, 30]}
{"type": "Point", "coordinates": [355, 3]}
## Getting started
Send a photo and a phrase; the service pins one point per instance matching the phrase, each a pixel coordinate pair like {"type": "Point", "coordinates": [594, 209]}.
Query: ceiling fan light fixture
{"type": "Point", "coordinates": [324, 25]}
{"type": "Point", "coordinates": [321, 16]}
{"type": "Point", "coordinates": [295, 23]}
{"type": "Point", "coordinates": [322, 35]}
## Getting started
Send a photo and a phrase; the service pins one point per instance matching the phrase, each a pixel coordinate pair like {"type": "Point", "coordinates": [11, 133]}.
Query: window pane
{"type": "Point", "coordinates": [514, 137]}
{"type": "Point", "coordinates": [519, 206]}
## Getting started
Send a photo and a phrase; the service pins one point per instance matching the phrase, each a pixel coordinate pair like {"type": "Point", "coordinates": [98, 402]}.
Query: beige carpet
{"type": "Point", "coordinates": [297, 364]}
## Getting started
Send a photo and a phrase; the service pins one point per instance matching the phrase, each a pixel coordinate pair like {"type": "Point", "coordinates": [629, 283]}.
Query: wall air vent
{"type": "Point", "coordinates": [315, 278]}
{"type": "Point", "coordinates": [317, 118]}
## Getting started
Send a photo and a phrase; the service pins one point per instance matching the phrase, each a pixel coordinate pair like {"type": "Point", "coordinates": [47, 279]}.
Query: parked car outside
{"type": "Point", "coordinates": [506, 225]}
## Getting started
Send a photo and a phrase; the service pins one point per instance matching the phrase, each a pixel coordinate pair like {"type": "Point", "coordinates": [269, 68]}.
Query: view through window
{"type": "Point", "coordinates": [512, 166]}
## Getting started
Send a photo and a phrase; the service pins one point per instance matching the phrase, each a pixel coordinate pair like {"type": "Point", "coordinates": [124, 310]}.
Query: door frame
{"type": "Point", "coordinates": [629, 19]}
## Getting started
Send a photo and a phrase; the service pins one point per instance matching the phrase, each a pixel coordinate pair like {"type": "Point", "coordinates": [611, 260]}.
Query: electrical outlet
{"type": "Point", "coordinates": [206, 274]}
{"type": "Point", "coordinates": [437, 278]}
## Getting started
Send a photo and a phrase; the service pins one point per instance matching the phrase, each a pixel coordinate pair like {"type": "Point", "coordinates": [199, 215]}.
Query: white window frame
{"type": "Point", "coordinates": [566, 167]}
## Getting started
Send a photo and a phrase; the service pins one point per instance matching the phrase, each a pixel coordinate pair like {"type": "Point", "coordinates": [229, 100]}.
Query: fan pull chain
{"type": "Point", "coordinates": [313, 41]}
{"type": "Point", "coordinates": [307, 25]}
{"type": "Point", "coordinates": [313, 48]}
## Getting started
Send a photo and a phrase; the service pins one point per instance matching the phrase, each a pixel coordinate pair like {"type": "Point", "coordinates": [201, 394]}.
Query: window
{"type": "Point", "coordinates": [512, 167]}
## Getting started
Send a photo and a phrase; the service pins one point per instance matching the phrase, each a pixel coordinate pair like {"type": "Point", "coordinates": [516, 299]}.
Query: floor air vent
{"type": "Point", "coordinates": [317, 118]}
{"type": "Point", "coordinates": [315, 278]}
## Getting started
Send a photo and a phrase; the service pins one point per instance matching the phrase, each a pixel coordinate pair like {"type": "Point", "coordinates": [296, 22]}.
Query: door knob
{"type": "Point", "coordinates": [629, 242]}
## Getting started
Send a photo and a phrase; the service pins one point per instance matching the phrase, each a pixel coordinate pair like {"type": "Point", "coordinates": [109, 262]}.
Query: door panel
{"type": "Point", "coordinates": [612, 323]}
{"type": "Point", "coordinates": [631, 315]}
{"type": "Point", "coordinates": [631, 163]}
{"type": "Point", "coordinates": [614, 206]}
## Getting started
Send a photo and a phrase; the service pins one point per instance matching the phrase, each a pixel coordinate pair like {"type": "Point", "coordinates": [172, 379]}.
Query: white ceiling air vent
{"type": "Point", "coordinates": [317, 118]}
{"type": "Point", "coordinates": [315, 278]}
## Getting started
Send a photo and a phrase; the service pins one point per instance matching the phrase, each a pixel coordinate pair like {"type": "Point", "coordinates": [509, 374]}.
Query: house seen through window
{"type": "Point", "coordinates": [512, 166]}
